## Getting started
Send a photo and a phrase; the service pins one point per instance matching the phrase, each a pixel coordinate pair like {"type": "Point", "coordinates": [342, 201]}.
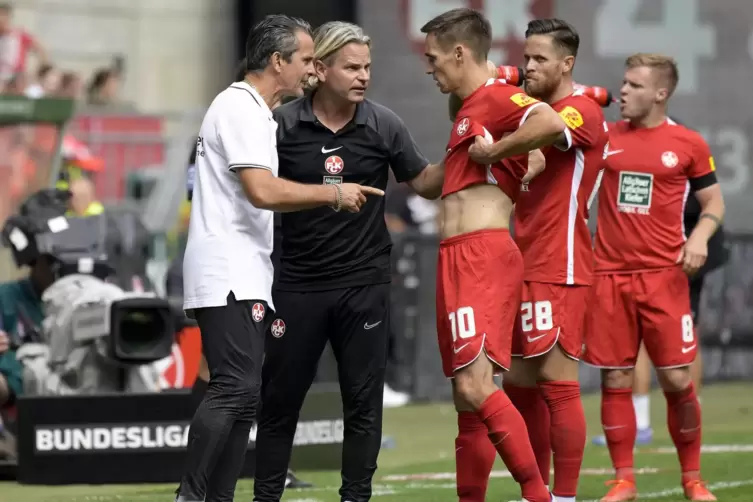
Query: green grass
{"type": "Point", "coordinates": [425, 444]}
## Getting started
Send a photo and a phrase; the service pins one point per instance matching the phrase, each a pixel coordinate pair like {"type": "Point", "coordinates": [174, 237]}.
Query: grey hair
{"type": "Point", "coordinates": [274, 33]}
{"type": "Point", "coordinates": [334, 35]}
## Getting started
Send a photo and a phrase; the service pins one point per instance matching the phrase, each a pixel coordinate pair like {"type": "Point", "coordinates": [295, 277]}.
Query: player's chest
{"type": "Point", "coordinates": [332, 159]}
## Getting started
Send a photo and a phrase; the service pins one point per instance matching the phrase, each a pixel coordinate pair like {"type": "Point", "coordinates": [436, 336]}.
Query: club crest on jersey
{"type": "Point", "coordinates": [522, 99]}
{"type": "Point", "coordinates": [278, 328]}
{"type": "Point", "coordinates": [572, 117]}
{"type": "Point", "coordinates": [334, 164]}
{"type": "Point", "coordinates": [257, 312]}
{"type": "Point", "coordinates": [669, 159]}
{"type": "Point", "coordinates": [463, 126]}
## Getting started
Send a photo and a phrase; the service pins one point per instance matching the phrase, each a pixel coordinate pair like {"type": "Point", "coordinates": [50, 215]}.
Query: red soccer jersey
{"type": "Point", "coordinates": [551, 215]}
{"type": "Point", "coordinates": [493, 110]}
{"type": "Point", "coordinates": [643, 193]}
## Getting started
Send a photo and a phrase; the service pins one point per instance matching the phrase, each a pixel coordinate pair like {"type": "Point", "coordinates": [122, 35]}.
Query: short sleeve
{"type": "Point", "coordinates": [243, 130]}
{"type": "Point", "coordinates": [406, 159]}
{"type": "Point", "coordinates": [702, 163]}
{"type": "Point", "coordinates": [585, 125]}
{"type": "Point", "coordinates": [512, 107]}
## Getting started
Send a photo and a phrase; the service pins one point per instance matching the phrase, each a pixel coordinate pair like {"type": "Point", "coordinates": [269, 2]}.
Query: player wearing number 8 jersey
{"type": "Point", "coordinates": [551, 217]}
{"type": "Point", "coordinates": [640, 290]}
{"type": "Point", "coordinates": [479, 272]}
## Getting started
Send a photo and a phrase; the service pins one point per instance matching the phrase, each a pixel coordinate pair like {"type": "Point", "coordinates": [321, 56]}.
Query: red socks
{"type": "Point", "coordinates": [568, 433]}
{"type": "Point", "coordinates": [618, 421]}
{"type": "Point", "coordinates": [474, 458]}
{"type": "Point", "coordinates": [684, 421]}
{"type": "Point", "coordinates": [509, 434]}
{"type": "Point", "coordinates": [534, 410]}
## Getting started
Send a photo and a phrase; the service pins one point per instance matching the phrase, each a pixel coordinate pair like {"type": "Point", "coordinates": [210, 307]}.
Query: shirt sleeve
{"type": "Point", "coordinates": [512, 107]}
{"type": "Point", "coordinates": [244, 134]}
{"type": "Point", "coordinates": [584, 125]}
{"type": "Point", "coordinates": [406, 159]}
{"type": "Point", "coordinates": [702, 163]}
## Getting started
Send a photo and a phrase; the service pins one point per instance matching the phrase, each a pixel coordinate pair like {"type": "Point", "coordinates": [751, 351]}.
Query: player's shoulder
{"type": "Point", "coordinates": [683, 133]}
{"type": "Point", "coordinates": [289, 114]}
{"type": "Point", "coordinates": [377, 115]}
{"type": "Point", "coordinates": [582, 103]}
{"type": "Point", "coordinates": [502, 91]}
{"type": "Point", "coordinates": [238, 101]}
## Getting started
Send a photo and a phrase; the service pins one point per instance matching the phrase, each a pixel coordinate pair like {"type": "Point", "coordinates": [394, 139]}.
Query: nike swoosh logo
{"type": "Point", "coordinates": [324, 150]}
{"type": "Point", "coordinates": [688, 431]}
{"type": "Point", "coordinates": [612, 152]}
{"type": "Point", "coordinates": [613, 427]}
{"type": "Point", "coordinates": [685, 350]}
{"type": "Point", "coordinates": [532, 339]}
{"type": "Point", "coordinates": [369, 326]}
{"type": "Point", "coordinates": [461, 347]}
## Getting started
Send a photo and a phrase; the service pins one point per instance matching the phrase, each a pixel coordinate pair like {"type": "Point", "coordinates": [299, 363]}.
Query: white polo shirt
{"type": "Point", "coordinates": [229, 240]}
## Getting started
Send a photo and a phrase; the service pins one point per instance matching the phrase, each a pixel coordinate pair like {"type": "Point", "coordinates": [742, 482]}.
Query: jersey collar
{"type": "Point", "coordinates": [254, 93]}
{"type": "Point", "coordinates": [307, 111]}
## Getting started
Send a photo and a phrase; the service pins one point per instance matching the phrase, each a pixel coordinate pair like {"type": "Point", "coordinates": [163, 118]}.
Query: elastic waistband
{"type": "Point", "coordinates": [493, 233]}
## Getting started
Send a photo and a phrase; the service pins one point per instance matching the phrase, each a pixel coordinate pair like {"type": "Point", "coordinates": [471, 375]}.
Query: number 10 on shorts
{"type": "Point", "coordinates": [463, 323]}
{"type": "Point", "coordinates": [538, 314]}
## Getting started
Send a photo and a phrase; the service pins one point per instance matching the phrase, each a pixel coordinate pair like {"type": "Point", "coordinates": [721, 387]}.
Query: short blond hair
{"type": "Point", "coordinates": [665, 65]}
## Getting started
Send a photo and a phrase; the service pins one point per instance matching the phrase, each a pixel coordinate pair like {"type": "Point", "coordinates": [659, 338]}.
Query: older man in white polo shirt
{"type": "Point", "coordinates": [227, 271]}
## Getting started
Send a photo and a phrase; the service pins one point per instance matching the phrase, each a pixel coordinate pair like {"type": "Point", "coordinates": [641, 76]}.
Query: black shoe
{"type": "Point", "coordinates": [291, 481]}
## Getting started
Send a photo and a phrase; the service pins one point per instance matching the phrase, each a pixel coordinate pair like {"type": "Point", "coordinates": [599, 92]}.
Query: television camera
{"type": "Point", "coordinates": [97, 336]}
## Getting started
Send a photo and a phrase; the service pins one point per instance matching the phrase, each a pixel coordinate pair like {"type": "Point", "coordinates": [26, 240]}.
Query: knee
{"type": "Point", "coordinates": [469, 393]}
{"type": "Point", "coordinates": [674, 380]}
{"type": "Point", "coordinates": [617, 379]}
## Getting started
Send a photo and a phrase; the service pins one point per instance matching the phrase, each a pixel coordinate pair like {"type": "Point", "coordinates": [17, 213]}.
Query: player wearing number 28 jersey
{"type": "Point", "coordinates": [640, 290]}
{"type": "Point", "coordinates": [479, 275]}
{"type": "Point", "coordinates": [551, 230]}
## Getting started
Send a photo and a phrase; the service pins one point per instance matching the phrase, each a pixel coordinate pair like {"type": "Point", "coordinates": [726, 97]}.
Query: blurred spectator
{"type": "Point", "coordinates": [104, 91]}
{"type": "Point", "coordinates": [47, 83]}
{"type": "Point", "coordinates": [71, 86]}
{"type": "Point", "coordinates": [15, 46]}
{"type": "Point", "coordinates": [17, 84]}
{"type": "Point", "coordinates": [83, 199]}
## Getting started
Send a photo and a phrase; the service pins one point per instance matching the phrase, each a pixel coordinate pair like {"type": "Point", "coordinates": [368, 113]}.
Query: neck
{"type": "Point", "coordinates": [266, 86]}
{"type": "Point", "coordinates": [563, 90]}
{"type": "Point", "coordinates": [654, 118]}
{"type": "Point", "coordinates": [476, 76]}
{"type": "Point", "coordinates": [331, 108]}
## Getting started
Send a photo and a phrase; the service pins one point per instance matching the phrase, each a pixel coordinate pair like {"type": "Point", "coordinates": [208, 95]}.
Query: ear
{"type": "Point", "coordinates": [276, 60]}
{"type": "Point", "coordinates": [567, 64]}
{"type": "Point", "coordinates": [662, 94]}
{"type": "Point", "coordinates": [320, 69]}
{"type": "Point", "coordinates": [459, 52]}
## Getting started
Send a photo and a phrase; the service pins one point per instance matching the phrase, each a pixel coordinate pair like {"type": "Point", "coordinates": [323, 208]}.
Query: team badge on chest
{"type": "Point", "coordinates": [669, 159]}
{"type": "Point", "coordinates": [334, 164]}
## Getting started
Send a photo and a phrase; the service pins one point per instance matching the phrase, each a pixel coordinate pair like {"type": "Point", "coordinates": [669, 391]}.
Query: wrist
{"type": "Point", "coordinates": [337, 198]}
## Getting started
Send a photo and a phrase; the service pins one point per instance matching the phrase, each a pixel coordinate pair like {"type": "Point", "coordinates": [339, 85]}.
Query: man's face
{"type": "Point", "coordinates": [545, 65]}
{"type": "Point", "coordinates": [349, 74]}
{"type": "Point", "coordinates": [295, 74]}
{"type": "Point", "coordinates": [444, 64]}
{"type": "Point", "coordinates": [641, 91]}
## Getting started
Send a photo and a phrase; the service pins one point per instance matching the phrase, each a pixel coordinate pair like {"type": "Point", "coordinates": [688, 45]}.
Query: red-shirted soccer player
{"type": "Point", "coordinates": [479, 274]}
{"type": "Point", "coordinates": [551, 230]}
{"type": "Point", "coordinates": [640, 289]}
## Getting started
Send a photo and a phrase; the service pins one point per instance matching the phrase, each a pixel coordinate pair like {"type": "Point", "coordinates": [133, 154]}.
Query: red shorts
{"type": "Point", "coordinates": [479, 278]}
{"type": "Point", "coordinates": [550, 314]}
{"type": "Point", "coordinates": [652, 306]}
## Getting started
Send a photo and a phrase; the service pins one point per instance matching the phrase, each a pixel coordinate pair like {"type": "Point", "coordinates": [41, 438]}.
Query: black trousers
{"type": "Point", "coordinates": [696, 288]}
{"type": "Point", "coordinates": [356, 323]}
{"type": "Point", "coordinates": [232, 338]}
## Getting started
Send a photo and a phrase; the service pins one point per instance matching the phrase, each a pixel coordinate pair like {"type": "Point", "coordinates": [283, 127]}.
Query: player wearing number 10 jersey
{"type": "Point", "coordinates": [640, 290]}
{"type": "Point", "coordinates": [479, 271]}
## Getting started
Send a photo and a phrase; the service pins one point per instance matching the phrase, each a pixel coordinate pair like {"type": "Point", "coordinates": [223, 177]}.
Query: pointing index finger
{"type": "Point", "coordinates": [371, 191]}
